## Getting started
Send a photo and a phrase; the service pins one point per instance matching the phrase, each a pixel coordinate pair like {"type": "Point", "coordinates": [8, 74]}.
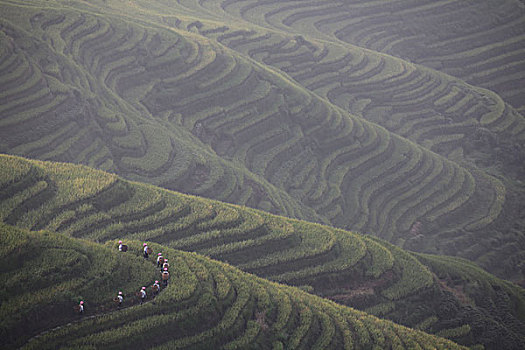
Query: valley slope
{"type": "Point", "coordinates": [206, 305]}
{"type": "Point", "coordinates": [210, 99]}
{"type": "Point", "coordinates": [446, 296]}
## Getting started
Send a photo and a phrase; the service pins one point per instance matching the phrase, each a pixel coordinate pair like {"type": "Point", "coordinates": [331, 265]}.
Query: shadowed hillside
{"type": "Point", "coordinates": [446, 296]}
{"type": "Point", "coordinates": [206, 305]}
{"type": "Point", "coordinates": [260, 117]}
{"type": "Point", "coordinates": [44, 275]}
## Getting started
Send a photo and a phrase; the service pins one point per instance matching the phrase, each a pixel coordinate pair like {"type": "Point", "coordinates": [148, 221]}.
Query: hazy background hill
{"type": "Point", "coordinates": [480, 42]}
{"type": "Point", "coordinates": [400, 120]}
{"type": "Point", "coordinates": [258, 104]}
{"type": "Point", "coordinates": [270, 106]}
{"type": "Point", "coordinates": [449, 297]}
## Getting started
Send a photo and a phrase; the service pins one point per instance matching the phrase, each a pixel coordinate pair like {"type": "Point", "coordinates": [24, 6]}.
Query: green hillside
{"type": "Point", "coordinates": [469, 125]}
{"type": "Point", "coordinates": [44, 275]}
{"type": "Point", "coordinates": [206, 305]}
{"type": "Point", "coordinates": [440, 295]}
{"type": "Point", "coordinates": [207, 98]}
{"type": "Point", "coordinates": [480, 42]}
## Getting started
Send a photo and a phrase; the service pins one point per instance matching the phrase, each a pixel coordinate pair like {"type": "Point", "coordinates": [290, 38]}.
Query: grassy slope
{"type": "Point", "coordinates": [132, 111]}
{"type": "Point", "coordinates": [44, 275]}
{"type": "Point", "coordinates": [207, 304]}
{"type": "Point", "coordinates": [438, 294]}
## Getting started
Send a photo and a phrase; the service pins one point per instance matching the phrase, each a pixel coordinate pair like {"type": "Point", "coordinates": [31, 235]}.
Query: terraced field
{"type": "Point", "coordinates": [206, 305]}
{"type": "Point", "coordinates": [480, 42]}
{"type": "Point", "coordinates": [44, 276]}
{"type": "Point", "coordinates": [262, 118]}
{"type": "Point", "coordinates": [439, 295]}
{"type": "Point", "coordinates": [89, 122]}
{"type": "Point", "coordinates": [436, 111]}
{"type": "Point", "coordinates": [466, 124]}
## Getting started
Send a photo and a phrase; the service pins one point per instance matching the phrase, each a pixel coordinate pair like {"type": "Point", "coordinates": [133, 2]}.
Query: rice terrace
{"type": "Point", "coordinates": [262, 174]}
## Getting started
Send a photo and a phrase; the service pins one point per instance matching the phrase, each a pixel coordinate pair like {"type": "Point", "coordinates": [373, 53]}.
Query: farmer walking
{"type": "Point", "coordinates": [165, 265]}
{"type": "Point", "coordinates": [142, 295]}
{"type": "Point", "coordinates": [81, 307]}
{"type": "Point", "coordinates": [119, 299]}
{"type": "Point", "coordinates": [165, 277]}
{"type": "Point", "coordinates": [156, 288]}
{"type": "Point", "coordinates": [146, 250]}
{"type": "Point", "coordinates": [160, 259]}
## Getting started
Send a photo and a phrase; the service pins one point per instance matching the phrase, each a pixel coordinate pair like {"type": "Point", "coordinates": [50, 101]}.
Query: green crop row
{"type": "Point", "coordinates": [351, 249]}
{"type": "Point", "coordinates": [303, 180]}
{"type": "Point", "coordinates": [414, 276]}
{"type": "Point", "coordinates": [26, 99]}
{"type": "Point", "coordinates": [13, 169]}
{"type": "Point", "coordinates": [24, 112]}
{"type": "Point", "coordinates": [12, 78]}
{"type": "Point", "coordinates": [382, 258]}
{"type": "Point", "coordinates": [47, 141]}
{"type": "Point", "coordinates": [467, 181]}
{"type": "Point", "coordinates": [314, 241]}
{"type": "Point", "coordinates": [305, 320]}
{"type": "Point", "coordinates": [496, 206]}
{"type": "Point", "coordinates": [273, 230]}
{"type": "Point", "coordinates": [71, 185]}
{"type": "Point", "coordinates": [394, 209]}
{"type": "Point", "coordinates": [251, 140]}
{"type": "Point", "coordinates": [65, 145]}
{"type": "Point", "coordinates": [21, 87]}
{"type": "Point", "coordinates": [252, 331]}
{"type": "Point", "coordinates": [16, 200]}
{"type": "Point", "coordinates": [214, 237]}
{"type": "Point", "coordinates": [157, 152]}
{"type": "Point", "coordinates": [440, 192]}
{"type": "Point", "coordinates": [387, 179]}
{"type": "Point", "coordinates": [8, 60]}
{"type": "Point", "coordinates": [453, 333]}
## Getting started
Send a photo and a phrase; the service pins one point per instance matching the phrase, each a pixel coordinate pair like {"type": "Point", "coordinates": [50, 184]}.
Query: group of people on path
{"type": "Point", "coordinates": [162, 263]}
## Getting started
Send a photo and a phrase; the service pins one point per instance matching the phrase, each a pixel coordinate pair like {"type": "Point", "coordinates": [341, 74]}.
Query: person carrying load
{"type": "Point", "coordinates": [119, 299]}
{"type": "Point", "coordinates": [165, 265]}
{"type": "Point", "coordinates": [80, 307]}
{"type": "Point", "coordinates": [147, 250]}
{"type": "Point", "coordinates": [122, 247]}
{"type": "Point", "coordinates": [160, 259]}
{"type": "Point", "coordinates": [165, 277]}
{"type": "Point", "coordinates": [156, 288]}
{"type": "Point", "coordinates": [142, 295]}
